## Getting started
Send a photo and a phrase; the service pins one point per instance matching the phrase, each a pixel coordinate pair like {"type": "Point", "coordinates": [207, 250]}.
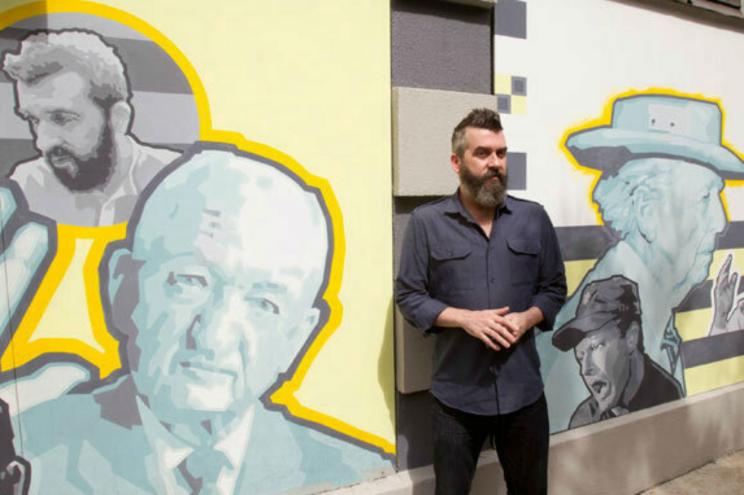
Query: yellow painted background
{"type": "Point", "coordinates": [312, 80]}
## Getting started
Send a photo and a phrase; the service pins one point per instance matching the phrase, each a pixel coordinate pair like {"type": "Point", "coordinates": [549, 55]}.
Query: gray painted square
{"type": "Point", "coordinates": [519, 86]}
{"type": "Point", "coordinates": [441, 45]}
{"type": "Point", "coordinates": [517, 163]}
{"type": "Point", "coordinates": [503, 104]}
{"type": "Point", "coordinates": [510, 18]}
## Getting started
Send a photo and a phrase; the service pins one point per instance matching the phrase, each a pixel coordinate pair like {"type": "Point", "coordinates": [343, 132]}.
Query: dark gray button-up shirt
{"type": "Point", "coordinates": [447, 260]}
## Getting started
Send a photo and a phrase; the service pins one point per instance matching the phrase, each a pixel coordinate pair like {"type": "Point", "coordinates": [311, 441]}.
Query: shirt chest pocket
{"type": "Point", "coordinates": [451, 267]}
{"type": "Point", "coordinates": [524, 260]}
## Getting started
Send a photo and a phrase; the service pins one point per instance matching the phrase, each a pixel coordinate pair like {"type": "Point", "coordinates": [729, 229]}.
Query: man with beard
{"type": "Point", "coordinates": [71, 87]}
{"type": "Point", "coordinates": [481, 270]}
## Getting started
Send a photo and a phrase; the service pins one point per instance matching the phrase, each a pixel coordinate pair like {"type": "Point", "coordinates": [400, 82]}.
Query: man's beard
{"type": "Point", "coordinates": [484, 191]}
{"type": "Point", "coordinates": [86, 173]}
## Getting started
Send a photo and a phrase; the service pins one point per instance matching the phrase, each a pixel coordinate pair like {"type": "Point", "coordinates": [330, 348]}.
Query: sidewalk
{"type": "Point", "coordinates": [725, 476]}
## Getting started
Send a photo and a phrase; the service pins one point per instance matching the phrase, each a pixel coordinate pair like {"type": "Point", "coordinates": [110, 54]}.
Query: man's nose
{"type": "Point", "coordinates": [219, 324]}
{"type": "Point", "coordinates": [587, 364]}
{"type": "Point", "coordinates": [46, 137]}
{"type": "Point", "coordinates": [496, 161]}
{"type": "Point", "coordinates": [718, 220]}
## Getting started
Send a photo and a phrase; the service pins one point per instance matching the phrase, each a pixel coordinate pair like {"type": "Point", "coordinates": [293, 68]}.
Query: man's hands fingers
{"type": "Point", "coordinates": [502, 336]}
{"type": "Point", "coordinates": [724, 271]}
{"type": "Point", "coordinates": [7, 206]}
{"type": "Point", "coordinates": [20, 258]}
{"type": "Point", "coordinates": [504, 310]}
{"type": "Point", "coordinates": [496, 328]}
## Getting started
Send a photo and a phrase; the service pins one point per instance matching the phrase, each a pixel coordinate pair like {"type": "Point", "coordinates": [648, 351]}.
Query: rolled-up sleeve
{"type": "Point", "coordinates": [412, 283]}
{"type": "Point", "coordinates": [551, 288]}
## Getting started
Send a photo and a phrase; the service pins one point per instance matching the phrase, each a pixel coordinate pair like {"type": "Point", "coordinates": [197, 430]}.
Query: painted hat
{"type": "Point", "coordinates": [658, 126]}
{"type": "Point", "coordinates": [601, 302]}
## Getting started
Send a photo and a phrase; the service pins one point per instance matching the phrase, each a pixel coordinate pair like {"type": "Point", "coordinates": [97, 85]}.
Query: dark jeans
{"type": "Point", "coordinates": [521, 439]}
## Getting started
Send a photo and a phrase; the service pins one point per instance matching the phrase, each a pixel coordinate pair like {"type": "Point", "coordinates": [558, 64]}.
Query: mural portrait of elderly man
{"type": "Point", "coordinates": [663, 169]}
{"type": "Point", "coordinates": [216, 291]}
{"type": "Point", "coordinates": [607, 340]}
{"type": "Point", "coordinates": [72, 89]}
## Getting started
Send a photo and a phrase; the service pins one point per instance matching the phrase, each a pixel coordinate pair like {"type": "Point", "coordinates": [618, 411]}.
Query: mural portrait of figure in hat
{"type": "Point", "coordinates": [607, 341]}
{"type": "Point", "coordinates": [663, 166]}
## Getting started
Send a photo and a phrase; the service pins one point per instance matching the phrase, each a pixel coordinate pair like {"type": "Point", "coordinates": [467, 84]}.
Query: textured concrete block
{"type": "Point", "coordinates": [423, 120]}
{"type": "Point", "coordinates": [443, 45]}
{"type": "Point", "coordinates": [413, 354]}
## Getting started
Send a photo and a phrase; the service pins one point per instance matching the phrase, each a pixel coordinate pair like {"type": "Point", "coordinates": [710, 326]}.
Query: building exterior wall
{"type": "Point", "coordinates": [551, 61]}
{"type": "Point", "coordinates": [269, 97]}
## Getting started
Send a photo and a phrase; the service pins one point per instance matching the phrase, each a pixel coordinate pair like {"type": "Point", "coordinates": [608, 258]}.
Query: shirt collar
{"type": "Point", "coordinates": [171, 450]}
{"type": "Point", "coordinates": [453, 205]}
{"type": "Point", "coordinates": [167, 447]}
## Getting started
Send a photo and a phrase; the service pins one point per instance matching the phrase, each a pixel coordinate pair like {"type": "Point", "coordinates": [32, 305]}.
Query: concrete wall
{"type": "Point", "coordinates": [621, 456]}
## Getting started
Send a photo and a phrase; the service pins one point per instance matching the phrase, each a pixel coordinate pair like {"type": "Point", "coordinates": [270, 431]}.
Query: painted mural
{"type": "Point", "coordinates": [634, 147]}
{"type": "Point", "coordinates": [662, 164]}
{"type": "Point", "coordinates": [163, 292]}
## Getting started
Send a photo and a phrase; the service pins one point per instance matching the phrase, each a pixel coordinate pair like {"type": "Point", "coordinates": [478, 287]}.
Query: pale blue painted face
{"type": "Point", "coordinates": [232, 258]}
{"type": "Point", "coordinates": [686, 219]}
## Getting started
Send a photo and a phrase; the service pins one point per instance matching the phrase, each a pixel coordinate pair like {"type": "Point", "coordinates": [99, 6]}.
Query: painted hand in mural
{"type": "Point", "coordinates": [25, 243]}
{"type": "Point", "coordinates": [728, 314]}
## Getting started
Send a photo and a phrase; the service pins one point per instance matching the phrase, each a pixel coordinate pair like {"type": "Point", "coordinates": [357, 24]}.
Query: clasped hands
{"type": "Point", "coordinates": [496, 328]}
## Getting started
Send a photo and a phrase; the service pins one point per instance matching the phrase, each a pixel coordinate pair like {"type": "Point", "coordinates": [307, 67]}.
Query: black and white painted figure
{"type": "Point", "coordinates": [607, 340]}
{"type": "Point", "coordinates": [72, 88]}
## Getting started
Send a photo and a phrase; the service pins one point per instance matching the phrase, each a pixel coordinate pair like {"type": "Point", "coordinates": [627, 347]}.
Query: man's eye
{"type": "Point", "coordinates": [598, 345]}
{"type": "Point", "coordinates": [187, 280]}
{"type": "Point", "coordinates": [264, 304]}
{"type": "Point", "coordinates": [62, 118]}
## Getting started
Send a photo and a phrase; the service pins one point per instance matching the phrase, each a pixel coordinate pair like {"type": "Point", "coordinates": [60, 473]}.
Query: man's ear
{"type": "Point", "coordinates": [632, 337]}
{"type": "Point", "coordinates": [644, 210]}
{"type": "Point", "coordinates": [122, 273]}
{"type": "Point", "coordinates": [456, 163]}
{"type": "Point", "coordinates": [309, 320]}
{"type": "Point", "coordinates": [121, 117]}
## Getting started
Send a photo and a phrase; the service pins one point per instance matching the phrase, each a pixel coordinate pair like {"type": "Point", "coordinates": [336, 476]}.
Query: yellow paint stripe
{"type": "Point", "coordinates": [714, 375]}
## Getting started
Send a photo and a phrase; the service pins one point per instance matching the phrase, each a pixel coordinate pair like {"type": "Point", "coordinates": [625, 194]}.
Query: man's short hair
{"type": "Point", "coordinates": [614, 193]}
{"type": "Point", "coordinates": [479, 118]}
{"type": "Point", "coordinates": [43, 53]}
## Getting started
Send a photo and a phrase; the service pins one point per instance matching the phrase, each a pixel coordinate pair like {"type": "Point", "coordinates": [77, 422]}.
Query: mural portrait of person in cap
{"type": "Point", "coordinates": [607, 341]}
{"type": "Point", "coordinates": [663, 167]}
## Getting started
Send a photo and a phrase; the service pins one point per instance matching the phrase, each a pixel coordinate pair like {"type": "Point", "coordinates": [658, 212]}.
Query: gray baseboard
{"type": "Point", "coordinates": [620, 456]}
